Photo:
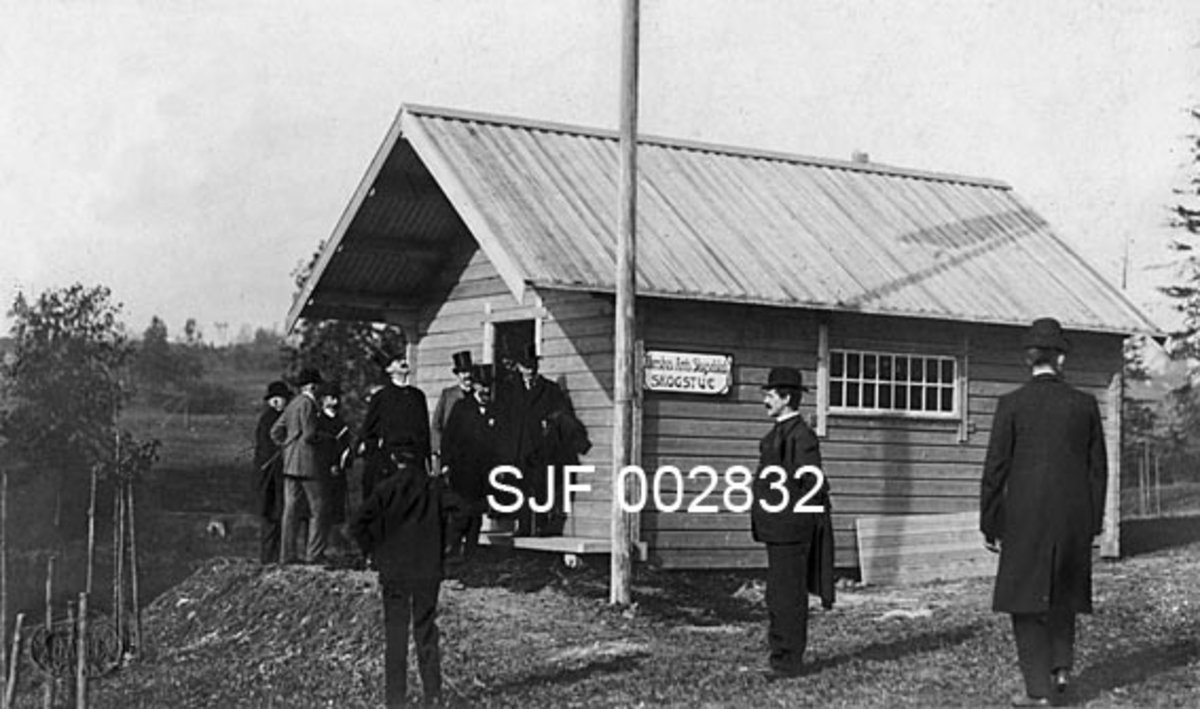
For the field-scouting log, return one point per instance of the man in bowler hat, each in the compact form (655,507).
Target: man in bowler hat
(469,458)
(268,462)
(297,433)
(799,544)
(1041,503)
(463,371)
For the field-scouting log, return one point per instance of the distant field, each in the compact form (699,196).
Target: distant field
(1174,500)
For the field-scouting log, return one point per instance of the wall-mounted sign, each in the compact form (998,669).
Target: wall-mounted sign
(687,372)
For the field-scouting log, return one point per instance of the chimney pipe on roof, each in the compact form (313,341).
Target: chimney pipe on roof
(860,156)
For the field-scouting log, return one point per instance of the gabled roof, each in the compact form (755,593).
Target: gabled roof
(714,224)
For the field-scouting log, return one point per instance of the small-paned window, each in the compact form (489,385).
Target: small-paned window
(883,383)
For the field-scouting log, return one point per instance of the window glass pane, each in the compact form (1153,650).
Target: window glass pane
(885,368)
(852,365)
(835,393)
(868,399)
(837,364)
(947,371)
(915,397)
(947,399)
(901,397)
(932,401)
(931,370)
(885,396)
(852,394)
(869,367)
(917,370)
(902,369)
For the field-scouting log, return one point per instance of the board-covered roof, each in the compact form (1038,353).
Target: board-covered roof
(715,223)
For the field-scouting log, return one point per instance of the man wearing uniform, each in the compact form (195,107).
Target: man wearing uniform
(1041,503)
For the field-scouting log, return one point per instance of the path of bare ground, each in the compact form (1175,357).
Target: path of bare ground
(524,631)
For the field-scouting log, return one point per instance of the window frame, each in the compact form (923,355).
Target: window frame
(953,384)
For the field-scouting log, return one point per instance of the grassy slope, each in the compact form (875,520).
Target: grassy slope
(522,631)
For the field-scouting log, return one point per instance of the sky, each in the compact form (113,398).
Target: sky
(189,155)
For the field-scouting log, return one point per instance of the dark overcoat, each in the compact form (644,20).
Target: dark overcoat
(268,464)
(400,527)
(397,421)
(470,451)
(791,445)
(524,420)
(1042,495)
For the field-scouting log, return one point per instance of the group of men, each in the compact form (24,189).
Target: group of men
(425,480)
(514,417)
(1042,501)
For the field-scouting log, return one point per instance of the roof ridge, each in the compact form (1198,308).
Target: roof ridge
(702,146)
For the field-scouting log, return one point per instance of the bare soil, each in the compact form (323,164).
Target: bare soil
(523,630)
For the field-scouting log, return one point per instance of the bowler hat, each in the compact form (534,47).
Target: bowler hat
(528,355)
(329,389)
(785,378)
(1046,333)
(462,361)
(308,375)
(277,388)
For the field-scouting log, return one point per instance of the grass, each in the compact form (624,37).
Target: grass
(521,630)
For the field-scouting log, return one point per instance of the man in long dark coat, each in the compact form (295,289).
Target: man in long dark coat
(527,405)
(268,463)
(399,527)
(470,446)
(799,543)
(1041,503)
(395,429)
(464,371)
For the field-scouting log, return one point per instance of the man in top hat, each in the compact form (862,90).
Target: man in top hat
(395,429)
(470,454)
(268,463)
(799,543)
(526,407)
(1041,503)
(296,431)
(451,395)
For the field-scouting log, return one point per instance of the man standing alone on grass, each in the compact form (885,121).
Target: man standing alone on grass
(1041,503)
(399,527)
(268,462)
(297,433)
(799,543)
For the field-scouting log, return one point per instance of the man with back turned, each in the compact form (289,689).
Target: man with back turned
(1041,503)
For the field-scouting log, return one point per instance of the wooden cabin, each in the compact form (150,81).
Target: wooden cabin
(900,294)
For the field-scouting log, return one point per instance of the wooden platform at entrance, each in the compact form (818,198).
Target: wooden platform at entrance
(918,548)
(557,545)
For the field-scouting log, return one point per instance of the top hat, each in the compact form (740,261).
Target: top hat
(481,374)
(527,356)
(308,375)
(1046,333)
(277,388)
(785,378)
(462,361)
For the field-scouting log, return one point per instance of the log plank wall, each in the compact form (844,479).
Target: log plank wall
(876,465)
